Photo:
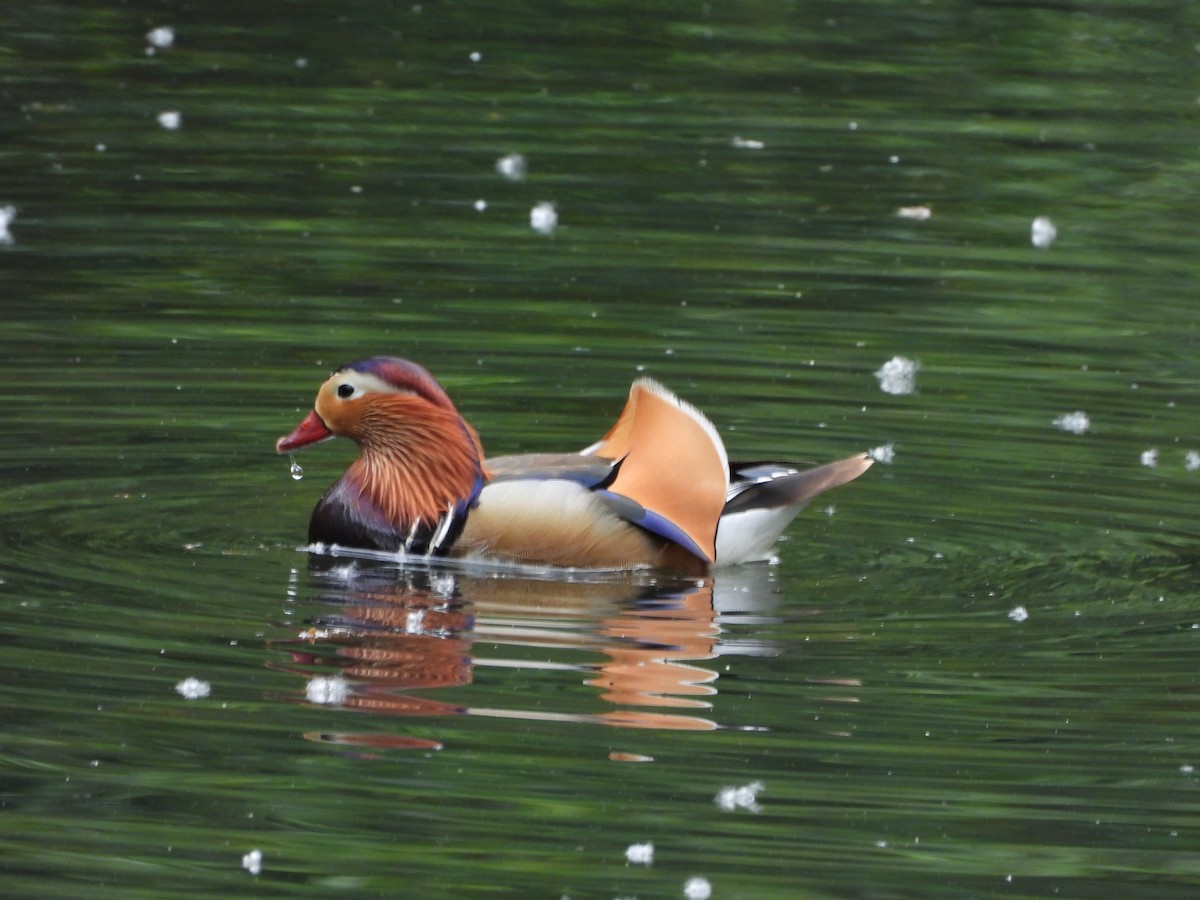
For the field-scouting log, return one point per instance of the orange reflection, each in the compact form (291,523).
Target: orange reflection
(380,632)
(650,651)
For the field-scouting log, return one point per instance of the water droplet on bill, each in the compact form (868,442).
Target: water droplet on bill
(297,472)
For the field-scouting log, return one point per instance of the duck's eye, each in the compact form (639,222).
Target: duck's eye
(345,391)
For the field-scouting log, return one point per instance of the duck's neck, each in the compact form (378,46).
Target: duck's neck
(415,474)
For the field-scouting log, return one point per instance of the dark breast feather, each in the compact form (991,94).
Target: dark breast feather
(335,521)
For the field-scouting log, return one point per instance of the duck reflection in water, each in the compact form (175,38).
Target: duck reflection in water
(389,631)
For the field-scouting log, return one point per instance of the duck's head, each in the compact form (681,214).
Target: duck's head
(418,460)
(369,402)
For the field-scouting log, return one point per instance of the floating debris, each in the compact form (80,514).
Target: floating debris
(1018,614)
(480,205)
(414,621)
(1149,457)
(543,218)
(327,690)
(697,888)
(1074,422)
(1042,233)
(884,453)
(7,214)
(747,143)
(252,862)
(475,56)
(745,797)
(170,120)
(513,166)
(640,854)
(916,213)
(193,689)
(1191,461)
(624,756)
(161,38)
(898,375)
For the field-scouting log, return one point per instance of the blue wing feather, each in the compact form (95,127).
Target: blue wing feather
(636,514)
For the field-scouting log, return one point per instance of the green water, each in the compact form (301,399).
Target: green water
(726,179)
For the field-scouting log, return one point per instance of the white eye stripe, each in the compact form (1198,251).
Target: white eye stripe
(350,385)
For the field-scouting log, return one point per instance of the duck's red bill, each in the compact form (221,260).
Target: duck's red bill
(308,432)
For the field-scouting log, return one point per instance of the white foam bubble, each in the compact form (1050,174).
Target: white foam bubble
(170,119)
(1074,422)
(7,214)
(747,143)
(162,37)
(884,453)
(744,797)
(252,862)
(513,166)
(414,622)
(1042,232)
(543,218)
(640,854)
(898,375)
(193,689)
(331,690)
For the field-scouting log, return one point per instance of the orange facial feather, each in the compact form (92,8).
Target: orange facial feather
(417,459)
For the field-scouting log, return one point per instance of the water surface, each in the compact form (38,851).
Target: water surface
(726,180)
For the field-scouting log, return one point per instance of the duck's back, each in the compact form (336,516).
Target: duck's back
(650,493)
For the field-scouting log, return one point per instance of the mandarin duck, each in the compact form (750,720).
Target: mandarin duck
(656,491)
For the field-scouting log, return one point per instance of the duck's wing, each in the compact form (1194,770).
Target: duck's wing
(671,463)
(570,498)
(764,498)
(589,471)
(661,467)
